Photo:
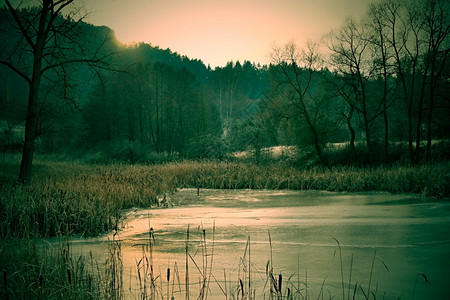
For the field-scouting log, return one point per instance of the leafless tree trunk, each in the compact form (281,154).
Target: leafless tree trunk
(43,42)
(437,28)
(349,47)
(345,90)
(296,72)
(382,50)
(399,31)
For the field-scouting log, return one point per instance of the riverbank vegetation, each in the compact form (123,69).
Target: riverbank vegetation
(53,271)
(84,199)
(88,199)
(33,270)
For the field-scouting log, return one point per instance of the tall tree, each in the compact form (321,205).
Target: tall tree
(381,49)
(47,43)
(418,34)
(295,74)
(350,55)
(436,16)
(341,88)
(402,35)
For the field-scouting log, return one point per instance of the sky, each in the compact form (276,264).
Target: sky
(218,31)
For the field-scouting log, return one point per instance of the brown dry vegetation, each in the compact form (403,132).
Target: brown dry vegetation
(74,198)
(68,198)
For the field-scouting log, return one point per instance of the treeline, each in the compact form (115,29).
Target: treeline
(381,91)
(176,107)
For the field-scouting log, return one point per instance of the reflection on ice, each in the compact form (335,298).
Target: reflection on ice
(409,235)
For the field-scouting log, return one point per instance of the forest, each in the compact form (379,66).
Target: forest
(379,93)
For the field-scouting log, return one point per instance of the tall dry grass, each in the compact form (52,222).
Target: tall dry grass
(70,198)
(432,180)
(39,271)
(73,198)
(49,272)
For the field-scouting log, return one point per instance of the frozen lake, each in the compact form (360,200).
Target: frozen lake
(387,241)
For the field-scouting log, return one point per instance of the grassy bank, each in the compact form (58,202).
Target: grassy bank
(46,272)
(431,180)
(70,198)
(73,198)
(67,198)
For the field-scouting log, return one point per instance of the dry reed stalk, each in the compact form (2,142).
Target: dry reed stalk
(187,264)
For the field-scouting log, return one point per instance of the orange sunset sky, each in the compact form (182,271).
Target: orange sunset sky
(218,31)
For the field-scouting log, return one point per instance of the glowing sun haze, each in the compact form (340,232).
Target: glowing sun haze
(217,31)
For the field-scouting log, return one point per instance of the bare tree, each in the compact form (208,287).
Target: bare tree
(435,14)
(341,87)
(382,56)
(419,38)
(402,37)
(295,74)
(45,46)
(351,57)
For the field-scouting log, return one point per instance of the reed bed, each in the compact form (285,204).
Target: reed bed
(71,198)
(67,198)
(432,180)
(54,272)
(39,271)
(249,281)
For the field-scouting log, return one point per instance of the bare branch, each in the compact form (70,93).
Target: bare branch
(19,23)
(17,71)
